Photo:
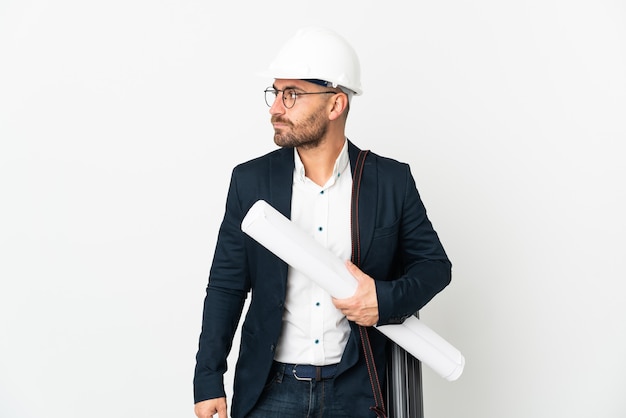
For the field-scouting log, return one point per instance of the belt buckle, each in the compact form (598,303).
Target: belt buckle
(295,374)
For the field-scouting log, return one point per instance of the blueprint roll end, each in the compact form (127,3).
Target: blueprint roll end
(457,371)
(257,210)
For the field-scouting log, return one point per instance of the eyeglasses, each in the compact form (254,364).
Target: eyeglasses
(289,96)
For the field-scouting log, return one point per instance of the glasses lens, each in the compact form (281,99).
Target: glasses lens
(289,98)
(270,96)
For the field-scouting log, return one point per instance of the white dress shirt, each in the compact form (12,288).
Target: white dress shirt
(314,331)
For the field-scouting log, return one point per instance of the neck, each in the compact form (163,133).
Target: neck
(319,162)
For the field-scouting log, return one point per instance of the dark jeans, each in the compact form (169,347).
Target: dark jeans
(284,396)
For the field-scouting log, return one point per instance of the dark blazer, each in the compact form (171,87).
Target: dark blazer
(399,249)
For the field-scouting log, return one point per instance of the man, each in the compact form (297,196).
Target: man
(300,352)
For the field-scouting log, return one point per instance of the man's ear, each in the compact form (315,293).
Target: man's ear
(340,106)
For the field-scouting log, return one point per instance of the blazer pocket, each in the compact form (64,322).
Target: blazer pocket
(387,231)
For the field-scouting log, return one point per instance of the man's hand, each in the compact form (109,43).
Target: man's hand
(362,307)
(210,407)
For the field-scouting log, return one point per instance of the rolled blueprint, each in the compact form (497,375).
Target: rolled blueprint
(283,238)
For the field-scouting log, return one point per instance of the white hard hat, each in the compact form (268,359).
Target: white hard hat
(316,53)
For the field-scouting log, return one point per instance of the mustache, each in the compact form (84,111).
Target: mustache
(278,119)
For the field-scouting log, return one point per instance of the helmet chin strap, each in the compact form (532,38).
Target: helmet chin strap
(322,83)
(325,83)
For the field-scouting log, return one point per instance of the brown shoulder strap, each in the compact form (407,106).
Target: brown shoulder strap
(379,404)
(354,207)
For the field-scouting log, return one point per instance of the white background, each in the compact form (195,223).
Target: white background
(121,120)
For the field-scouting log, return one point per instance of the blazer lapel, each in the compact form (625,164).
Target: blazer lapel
(281,180)
(280,192)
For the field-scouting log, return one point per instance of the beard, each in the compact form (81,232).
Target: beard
(307,134)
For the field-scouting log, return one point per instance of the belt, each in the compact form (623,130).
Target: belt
(308,372)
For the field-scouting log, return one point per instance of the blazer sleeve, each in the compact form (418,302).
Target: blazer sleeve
(223,304)
(421,267)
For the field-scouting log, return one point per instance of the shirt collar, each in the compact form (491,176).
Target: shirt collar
(341,164)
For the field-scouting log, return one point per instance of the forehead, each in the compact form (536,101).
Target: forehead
(284,83)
